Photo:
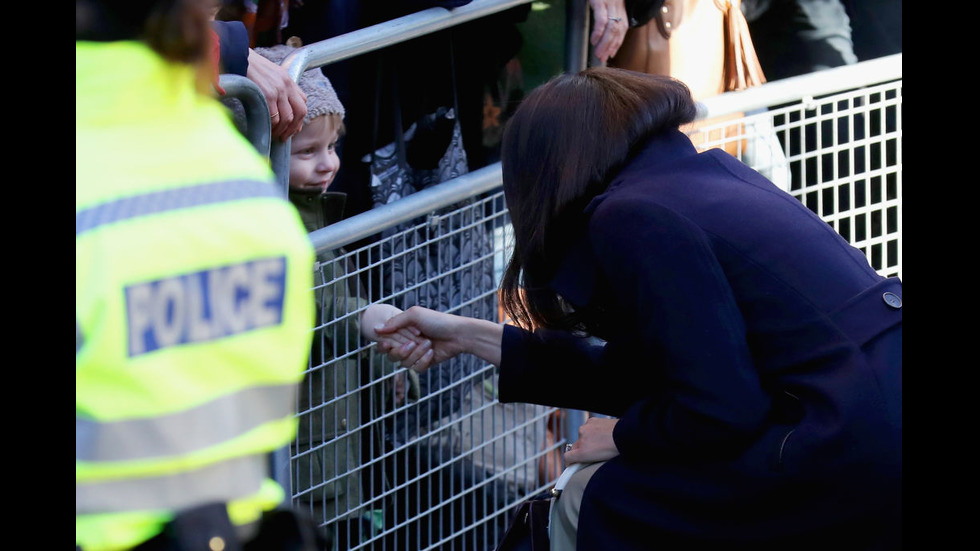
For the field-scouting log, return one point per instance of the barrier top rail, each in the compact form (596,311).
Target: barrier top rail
(420,203)
(391,32)
(489,178)
(787,90)
(369,39)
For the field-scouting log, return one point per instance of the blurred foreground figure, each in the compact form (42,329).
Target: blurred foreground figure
(193,297)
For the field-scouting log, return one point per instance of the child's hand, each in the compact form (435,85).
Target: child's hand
(287,101)
(375,316)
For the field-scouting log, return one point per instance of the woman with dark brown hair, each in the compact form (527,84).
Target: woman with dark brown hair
(748,358)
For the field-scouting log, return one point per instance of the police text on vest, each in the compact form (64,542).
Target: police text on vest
(205,305)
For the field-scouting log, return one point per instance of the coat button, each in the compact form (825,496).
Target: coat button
(893,300)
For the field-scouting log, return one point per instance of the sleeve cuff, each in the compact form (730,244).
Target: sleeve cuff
(233,39)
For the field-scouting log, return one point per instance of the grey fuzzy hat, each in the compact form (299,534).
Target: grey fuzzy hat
(320,96)
(321,99)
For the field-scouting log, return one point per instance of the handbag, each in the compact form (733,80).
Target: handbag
(529,526)
(428,152)
(705,44)
(528,530)
(452,242)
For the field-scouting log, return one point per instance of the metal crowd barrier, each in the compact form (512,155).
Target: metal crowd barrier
(258,125)
(833,139)
(443,470)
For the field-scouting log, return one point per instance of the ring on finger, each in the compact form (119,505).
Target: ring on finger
(616,19)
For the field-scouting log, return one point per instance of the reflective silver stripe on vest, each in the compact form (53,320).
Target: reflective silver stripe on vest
(217,421)
(79,337)
(225,481)
(171,199)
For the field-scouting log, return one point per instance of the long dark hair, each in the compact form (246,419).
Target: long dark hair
(178,30)
(561,148)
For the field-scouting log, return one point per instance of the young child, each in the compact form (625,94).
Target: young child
(340,392)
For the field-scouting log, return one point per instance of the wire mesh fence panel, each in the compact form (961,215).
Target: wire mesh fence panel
(390,459)
(841,155)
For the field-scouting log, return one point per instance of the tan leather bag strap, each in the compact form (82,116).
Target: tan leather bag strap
(742,68)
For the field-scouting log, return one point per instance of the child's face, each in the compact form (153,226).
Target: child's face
(313,160)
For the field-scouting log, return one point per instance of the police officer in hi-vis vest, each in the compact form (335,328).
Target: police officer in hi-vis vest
(193,297)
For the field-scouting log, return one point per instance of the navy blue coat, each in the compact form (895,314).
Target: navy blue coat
(753,357)
(233,46)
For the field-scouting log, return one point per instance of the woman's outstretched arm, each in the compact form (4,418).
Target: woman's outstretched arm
(445,336)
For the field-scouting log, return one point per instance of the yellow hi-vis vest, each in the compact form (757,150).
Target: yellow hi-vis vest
(193,303)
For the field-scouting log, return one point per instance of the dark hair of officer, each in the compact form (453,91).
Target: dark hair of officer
(178,30)
(554,164)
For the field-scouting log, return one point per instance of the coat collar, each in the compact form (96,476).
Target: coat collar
(659,151)
(318,209)
(576,277)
